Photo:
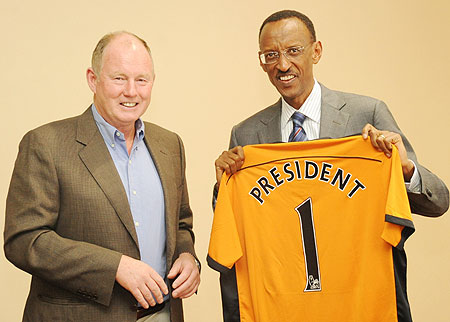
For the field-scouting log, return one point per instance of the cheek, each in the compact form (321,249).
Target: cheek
(305,65)
(271,72)
(145,92)
(112,90)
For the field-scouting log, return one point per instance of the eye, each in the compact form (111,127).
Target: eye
(294,50)
(119,78)
(271,55)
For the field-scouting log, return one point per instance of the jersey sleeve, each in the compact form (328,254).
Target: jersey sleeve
(398,224)
(224,244)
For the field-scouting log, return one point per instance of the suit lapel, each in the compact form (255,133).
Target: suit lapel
(164,166)
(98,161)
(333,121)
(270,131)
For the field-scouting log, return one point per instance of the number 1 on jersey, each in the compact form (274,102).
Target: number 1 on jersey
(313,282)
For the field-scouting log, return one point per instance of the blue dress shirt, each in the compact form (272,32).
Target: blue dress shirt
(143,188)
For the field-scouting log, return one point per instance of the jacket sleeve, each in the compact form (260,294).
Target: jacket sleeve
(185,234)
(30,239)
(433,200)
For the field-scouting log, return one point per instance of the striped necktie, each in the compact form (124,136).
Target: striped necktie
(298,132)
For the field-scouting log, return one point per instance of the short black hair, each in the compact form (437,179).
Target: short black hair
(285,14)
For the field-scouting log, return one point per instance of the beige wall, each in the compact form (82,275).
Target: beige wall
(208,79)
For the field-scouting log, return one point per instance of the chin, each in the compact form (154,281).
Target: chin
(288,95)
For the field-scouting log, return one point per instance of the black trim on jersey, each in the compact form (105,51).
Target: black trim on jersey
(303,157)
(214,197)
(215,265)
(228,290)
(230,297)
(403,309)
(406,232)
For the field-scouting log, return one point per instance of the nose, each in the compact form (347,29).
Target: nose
(130,89)
(283,63)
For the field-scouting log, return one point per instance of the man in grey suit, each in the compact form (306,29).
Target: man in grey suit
(98,210)
(288,51)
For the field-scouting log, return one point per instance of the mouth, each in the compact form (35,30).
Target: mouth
(129,104)
(286,78)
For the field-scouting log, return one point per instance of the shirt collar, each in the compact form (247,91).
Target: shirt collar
(110,133)
(310,108)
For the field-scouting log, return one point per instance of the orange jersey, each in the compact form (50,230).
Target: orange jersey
(315,230)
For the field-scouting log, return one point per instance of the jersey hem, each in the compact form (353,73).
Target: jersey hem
(215,265)
(407,231)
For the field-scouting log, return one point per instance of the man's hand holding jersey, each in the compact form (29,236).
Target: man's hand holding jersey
(384,141)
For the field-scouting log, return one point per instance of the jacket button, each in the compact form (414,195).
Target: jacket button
(428,192)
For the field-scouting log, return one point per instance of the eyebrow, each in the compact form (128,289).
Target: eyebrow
(291,46)
(149,76)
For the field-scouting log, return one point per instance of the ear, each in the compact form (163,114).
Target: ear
(317,52)
(91,79)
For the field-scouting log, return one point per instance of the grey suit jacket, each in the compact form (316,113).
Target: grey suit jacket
(68,220)
(345,114)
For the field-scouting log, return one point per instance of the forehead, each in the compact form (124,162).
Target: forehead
(284,33)
(127,53)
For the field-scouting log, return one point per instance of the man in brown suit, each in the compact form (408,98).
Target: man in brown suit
(79,204)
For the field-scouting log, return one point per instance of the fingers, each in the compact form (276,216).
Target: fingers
(383,144)
(229,161)
(386,140)
(140,298)
(382,140)
(147,294)
(184,275)
(156,285)
(188,279)
(186,284)
(389,139)
(369,131)
(239,151)
(175,270)
(219,173)
(142,281)
(188,288)
(366,129)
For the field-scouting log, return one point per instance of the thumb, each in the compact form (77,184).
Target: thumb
(219,173)
(175,270)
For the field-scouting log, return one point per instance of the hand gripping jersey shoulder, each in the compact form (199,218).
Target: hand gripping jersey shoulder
(316,232)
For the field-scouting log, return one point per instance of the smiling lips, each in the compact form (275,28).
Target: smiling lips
(129,104)
(286,78)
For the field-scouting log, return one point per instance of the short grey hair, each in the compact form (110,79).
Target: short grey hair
(97,54)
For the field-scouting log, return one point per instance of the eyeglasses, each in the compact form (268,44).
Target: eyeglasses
(291,53)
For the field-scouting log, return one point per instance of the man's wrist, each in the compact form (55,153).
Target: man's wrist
(408,170)
(197,263)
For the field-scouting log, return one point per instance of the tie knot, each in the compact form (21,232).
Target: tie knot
(298,118)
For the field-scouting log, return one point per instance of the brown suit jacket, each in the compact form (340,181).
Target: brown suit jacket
(68,220)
